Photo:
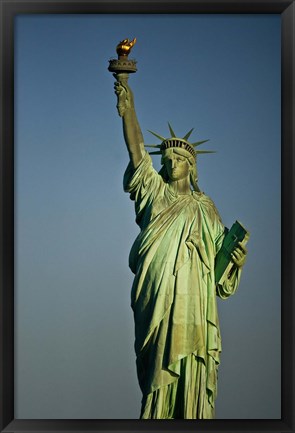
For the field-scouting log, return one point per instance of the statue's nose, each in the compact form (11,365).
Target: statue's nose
(172,163)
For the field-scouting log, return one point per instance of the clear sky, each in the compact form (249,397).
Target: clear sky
(74,224)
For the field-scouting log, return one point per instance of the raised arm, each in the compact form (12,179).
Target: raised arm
(131,129)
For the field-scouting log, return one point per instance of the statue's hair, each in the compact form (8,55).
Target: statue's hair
(194,178)
(193,172)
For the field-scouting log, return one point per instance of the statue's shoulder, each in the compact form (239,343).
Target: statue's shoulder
(203,198)
(207,203)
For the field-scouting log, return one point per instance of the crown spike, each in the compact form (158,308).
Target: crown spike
(188,134)
(156,153)
(158,146)
(171,131)
(197,143)
(157,135)
(205,151)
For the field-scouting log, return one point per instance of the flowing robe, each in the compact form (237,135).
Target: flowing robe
(173,297)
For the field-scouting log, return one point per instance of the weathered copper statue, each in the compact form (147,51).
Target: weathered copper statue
(177,336)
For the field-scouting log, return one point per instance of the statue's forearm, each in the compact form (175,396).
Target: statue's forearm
(133,136)
(131,129)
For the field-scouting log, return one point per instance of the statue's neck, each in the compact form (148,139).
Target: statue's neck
(181,186)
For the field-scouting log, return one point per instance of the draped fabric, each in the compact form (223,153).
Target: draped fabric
(173,297)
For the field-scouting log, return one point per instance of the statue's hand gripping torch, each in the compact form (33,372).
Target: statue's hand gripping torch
(121,68)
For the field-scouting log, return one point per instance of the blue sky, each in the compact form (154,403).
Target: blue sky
(74,224)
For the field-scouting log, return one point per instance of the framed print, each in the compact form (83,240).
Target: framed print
(224,69)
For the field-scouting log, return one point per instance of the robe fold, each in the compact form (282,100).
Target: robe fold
(173,297)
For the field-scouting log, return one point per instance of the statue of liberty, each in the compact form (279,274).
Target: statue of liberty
(173,297)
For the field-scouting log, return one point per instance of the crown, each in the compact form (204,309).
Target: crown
(175,142)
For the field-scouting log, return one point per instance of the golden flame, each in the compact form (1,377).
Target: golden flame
(124,47)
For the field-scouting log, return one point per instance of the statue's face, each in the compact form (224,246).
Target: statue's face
(177,164)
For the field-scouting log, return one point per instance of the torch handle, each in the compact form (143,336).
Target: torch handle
(121,77)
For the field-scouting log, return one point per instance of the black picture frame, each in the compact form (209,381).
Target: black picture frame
(9,9)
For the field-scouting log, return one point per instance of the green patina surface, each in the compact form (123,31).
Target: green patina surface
(173,297)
